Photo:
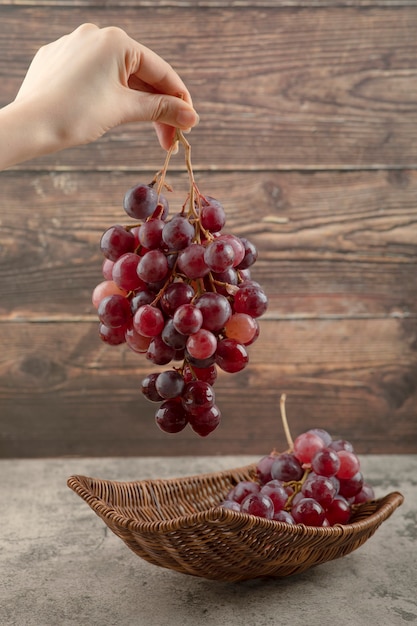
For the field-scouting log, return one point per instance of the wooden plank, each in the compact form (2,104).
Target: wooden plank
(275,87)
(330,243)
(309,4)
(77,396)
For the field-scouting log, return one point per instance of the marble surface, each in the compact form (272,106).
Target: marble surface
(60,565)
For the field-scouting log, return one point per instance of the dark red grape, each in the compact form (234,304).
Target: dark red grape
(250,299)
(150,233)
(191,261)
(258,504)
(212,215)
(250,256)
(169,384)
(175,295)
(202,344)
(309,512)
(159,353)
(149,388)
(178,233)
(286,468)
(231,356)
(242,490)
(216,310)
(171,417)
(112,336)
(153,266)
(219,255)
(114,311)
(142,200)
(204,422)
(197,396)
(116,241)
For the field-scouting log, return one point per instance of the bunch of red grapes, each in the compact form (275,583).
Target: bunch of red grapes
(179,289)
(317,483)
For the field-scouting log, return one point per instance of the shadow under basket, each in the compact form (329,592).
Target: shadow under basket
(177,524)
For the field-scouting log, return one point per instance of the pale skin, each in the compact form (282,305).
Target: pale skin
(86,83)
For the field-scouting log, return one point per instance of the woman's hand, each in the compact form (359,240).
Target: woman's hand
(85,83)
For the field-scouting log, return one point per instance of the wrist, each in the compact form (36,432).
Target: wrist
(24,133)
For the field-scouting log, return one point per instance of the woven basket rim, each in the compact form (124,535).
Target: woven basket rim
(217,515)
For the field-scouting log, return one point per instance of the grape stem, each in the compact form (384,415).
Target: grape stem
(160,176)
(285,422)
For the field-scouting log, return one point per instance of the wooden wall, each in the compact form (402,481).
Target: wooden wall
(308,136)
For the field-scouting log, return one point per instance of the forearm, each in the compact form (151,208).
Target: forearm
(24,133)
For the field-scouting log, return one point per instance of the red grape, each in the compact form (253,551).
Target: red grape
(112,336)
(216,310)
(231,356)
(325,462)
(159,353)
(150,233)
(153,266)
(175,295)
(149,388)
(258,504)
(178,233)
(106,288)
(242,490)
(202,344)
(212,215)
(250,256)
(263,468)
(169,384)
(204,422)
(171,417)
(306,445)
(286,467)
(338,511)
(198,396)
(251,299)
(125,272)
(219,255)
(116,241)
(191,261)
(319,488)
(136,342)
(114,311)
(142,200)
(148,321)
(309,512)
(187,319)
(241,327)
(349,464)
(276,492)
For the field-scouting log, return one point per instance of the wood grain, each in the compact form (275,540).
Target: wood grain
(332,87)
(77,396)
(331,243)
(308,135)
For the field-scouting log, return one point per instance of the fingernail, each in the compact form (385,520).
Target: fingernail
(187,119)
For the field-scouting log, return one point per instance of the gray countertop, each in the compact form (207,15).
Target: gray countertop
(60,565)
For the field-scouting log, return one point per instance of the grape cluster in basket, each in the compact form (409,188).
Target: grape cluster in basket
(317,483)
(178,289)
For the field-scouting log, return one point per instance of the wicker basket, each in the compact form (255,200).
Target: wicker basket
(177,524)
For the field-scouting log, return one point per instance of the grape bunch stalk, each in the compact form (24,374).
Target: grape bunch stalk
(178,289)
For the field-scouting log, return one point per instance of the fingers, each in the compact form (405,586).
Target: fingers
(157,73)
(159,94)
(167,113)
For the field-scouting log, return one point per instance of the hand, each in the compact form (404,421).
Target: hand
(94,79)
